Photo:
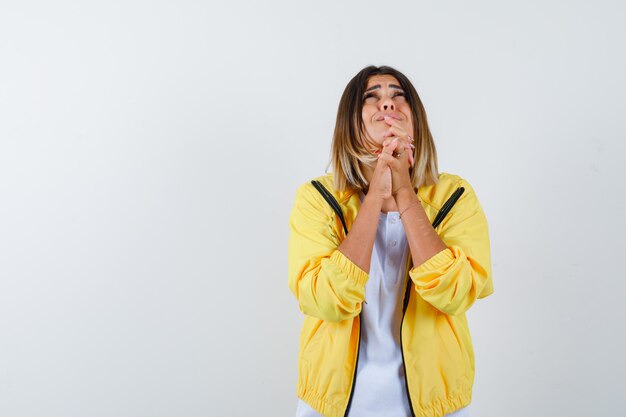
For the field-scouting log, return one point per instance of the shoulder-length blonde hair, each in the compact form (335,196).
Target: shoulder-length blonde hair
(349,153)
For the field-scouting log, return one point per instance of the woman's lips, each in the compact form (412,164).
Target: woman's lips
(392,115)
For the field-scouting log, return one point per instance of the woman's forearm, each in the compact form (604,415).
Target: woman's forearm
(424,242)
(359,242)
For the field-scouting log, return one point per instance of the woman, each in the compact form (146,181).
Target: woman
(385,332)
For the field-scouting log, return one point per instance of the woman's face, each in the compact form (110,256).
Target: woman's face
(384,97)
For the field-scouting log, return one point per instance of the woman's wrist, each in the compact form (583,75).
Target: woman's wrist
(415,204)
(373,200)
(406,197)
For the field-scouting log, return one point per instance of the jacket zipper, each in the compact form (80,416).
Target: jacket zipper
(405,304)
(356,367)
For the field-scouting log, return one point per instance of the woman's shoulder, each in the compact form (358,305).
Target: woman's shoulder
(437,194)
(326,180)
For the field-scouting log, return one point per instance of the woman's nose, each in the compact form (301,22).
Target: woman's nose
(387,104)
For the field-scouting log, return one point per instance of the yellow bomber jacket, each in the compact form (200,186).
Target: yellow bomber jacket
(435,339)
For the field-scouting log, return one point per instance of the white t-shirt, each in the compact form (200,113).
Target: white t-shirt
(380,389)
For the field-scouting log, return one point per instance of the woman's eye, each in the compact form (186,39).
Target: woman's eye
(372,97)
(368,96)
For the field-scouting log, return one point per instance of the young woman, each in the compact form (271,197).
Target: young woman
(385,332)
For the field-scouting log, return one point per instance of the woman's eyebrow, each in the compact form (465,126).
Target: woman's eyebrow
(374,87)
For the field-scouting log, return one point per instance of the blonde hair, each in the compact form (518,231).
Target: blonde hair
(348,151)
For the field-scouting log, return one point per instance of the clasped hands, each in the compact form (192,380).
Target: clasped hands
(400,142)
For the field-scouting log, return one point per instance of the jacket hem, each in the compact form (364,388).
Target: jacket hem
(438,407)
(442,406)
(320,405)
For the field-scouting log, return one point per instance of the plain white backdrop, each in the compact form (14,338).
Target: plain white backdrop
(149,156)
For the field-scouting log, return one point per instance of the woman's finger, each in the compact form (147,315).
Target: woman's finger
(395,145)
(400,144)
(387,159)
(395,129)
(390,145)
(409,148)
(400,139)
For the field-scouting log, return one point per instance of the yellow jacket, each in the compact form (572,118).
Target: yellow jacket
(435,338)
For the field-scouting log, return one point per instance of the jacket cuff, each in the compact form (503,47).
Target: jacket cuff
(435,262)
(348,267)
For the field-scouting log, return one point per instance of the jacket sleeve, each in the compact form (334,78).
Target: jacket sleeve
(452,279)
(326,283)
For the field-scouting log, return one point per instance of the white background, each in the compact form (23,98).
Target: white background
(149,156)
